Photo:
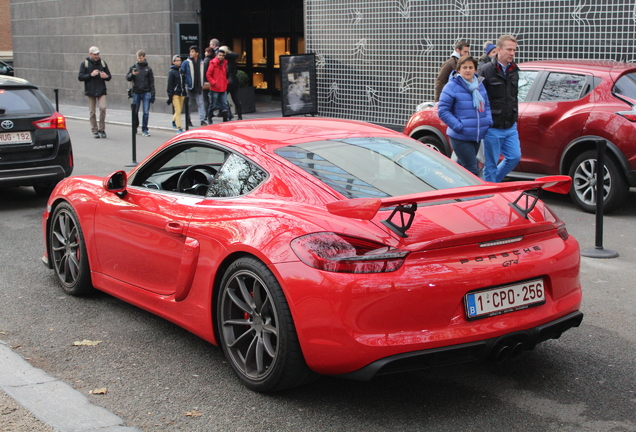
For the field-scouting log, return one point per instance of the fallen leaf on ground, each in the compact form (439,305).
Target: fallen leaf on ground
(193,414)
(86,342)
(99,391)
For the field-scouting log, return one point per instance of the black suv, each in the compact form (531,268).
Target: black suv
(35,147)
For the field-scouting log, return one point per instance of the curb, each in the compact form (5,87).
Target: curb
(52,401)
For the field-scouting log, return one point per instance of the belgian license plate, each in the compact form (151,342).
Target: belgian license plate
(510,298)
(15,138)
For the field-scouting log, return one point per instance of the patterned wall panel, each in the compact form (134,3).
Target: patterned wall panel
(377,60)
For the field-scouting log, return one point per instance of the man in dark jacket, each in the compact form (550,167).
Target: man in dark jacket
(176,91)
(501,79)
(94,72)
(462,48)
(143,90)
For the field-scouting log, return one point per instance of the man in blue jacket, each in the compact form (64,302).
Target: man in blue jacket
(194,76)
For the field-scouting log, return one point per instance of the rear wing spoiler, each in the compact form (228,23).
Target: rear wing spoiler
(406,205)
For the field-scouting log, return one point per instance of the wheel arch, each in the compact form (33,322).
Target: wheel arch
(585,143)
(426,130)
(47,227)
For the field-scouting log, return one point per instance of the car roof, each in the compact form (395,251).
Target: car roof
(581,65)
(9,81)
(285,131)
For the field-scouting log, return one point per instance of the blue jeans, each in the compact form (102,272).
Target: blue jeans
(218,100)
(466,152)
(139,98)
(198,97)
(503,142)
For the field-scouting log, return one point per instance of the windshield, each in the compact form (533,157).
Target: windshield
(377,167)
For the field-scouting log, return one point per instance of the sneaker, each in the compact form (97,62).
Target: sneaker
(96,135)
(145,133)
(174,125)
(179,131)
(204,123)
(102,133)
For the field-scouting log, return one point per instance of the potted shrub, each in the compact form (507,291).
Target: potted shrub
(246,93)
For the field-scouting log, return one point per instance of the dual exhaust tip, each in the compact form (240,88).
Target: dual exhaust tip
(507,350)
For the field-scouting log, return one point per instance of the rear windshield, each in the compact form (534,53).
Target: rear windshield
(626,86)
(16,101)
(377,167)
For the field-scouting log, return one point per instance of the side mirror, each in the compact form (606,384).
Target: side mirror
(116,182)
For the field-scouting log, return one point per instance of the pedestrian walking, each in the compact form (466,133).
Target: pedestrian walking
(464,107)
(490,50)
(233,82)
(194,76)
(501,79)
(143,90)
(94,72)
(462,48)
(176,91)
(217,77)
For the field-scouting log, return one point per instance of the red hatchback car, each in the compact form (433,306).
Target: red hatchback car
(565,106)
(305,246)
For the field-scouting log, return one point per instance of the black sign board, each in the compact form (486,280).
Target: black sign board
(299,88)
(187,35)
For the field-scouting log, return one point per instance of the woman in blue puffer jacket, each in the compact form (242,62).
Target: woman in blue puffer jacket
(464,107)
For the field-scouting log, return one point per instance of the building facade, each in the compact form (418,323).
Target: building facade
(376,60)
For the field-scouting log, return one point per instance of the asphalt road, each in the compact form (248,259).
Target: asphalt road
(161,378)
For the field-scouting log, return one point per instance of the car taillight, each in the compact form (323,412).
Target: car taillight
(629,115)
(343,254)
(55,121)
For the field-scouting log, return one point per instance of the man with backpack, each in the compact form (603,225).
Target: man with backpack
(94,72)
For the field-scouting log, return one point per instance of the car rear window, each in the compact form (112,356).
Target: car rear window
(626,86)
(16,101)
(377,167)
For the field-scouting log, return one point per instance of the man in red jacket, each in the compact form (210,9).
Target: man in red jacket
(217,77)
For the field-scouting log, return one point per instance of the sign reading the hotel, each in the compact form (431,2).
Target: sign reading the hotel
(187,35)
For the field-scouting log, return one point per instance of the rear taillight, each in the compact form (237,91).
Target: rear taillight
(562,231)
(55,121)
(343,254)
(629,115)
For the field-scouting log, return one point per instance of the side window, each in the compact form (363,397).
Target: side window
(236,177)
(165,170)
(526,78)
(562,87)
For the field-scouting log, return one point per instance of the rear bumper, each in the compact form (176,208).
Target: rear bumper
(32,176)
(497,349)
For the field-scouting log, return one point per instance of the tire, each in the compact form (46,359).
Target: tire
(583,191)
(256,330)
(43,190)
(434,143)
(68,252)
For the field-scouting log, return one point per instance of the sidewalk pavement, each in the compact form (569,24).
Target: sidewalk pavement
(39,402)
(157,120)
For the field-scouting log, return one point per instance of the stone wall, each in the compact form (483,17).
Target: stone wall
(51,40)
